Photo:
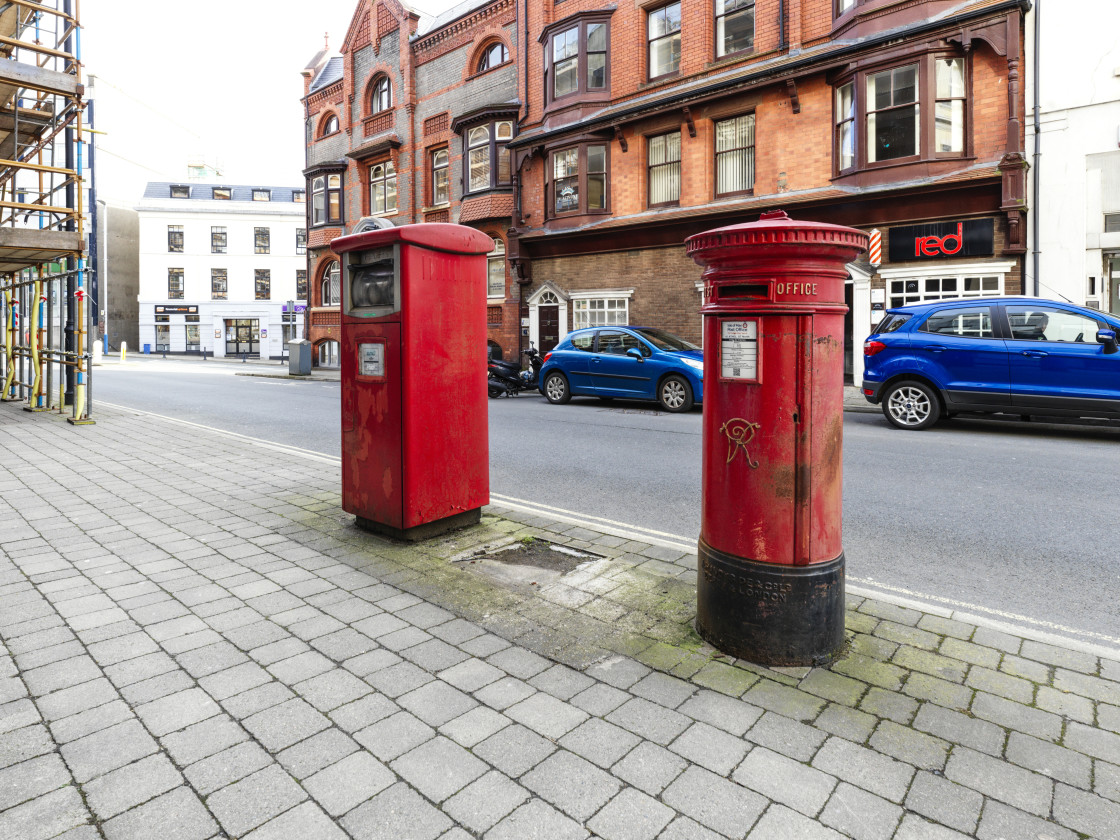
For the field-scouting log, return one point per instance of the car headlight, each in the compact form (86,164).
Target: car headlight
(694,364)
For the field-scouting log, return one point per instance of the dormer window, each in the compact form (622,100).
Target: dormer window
(222,194)
(262,195)
(180,191)
(577,58)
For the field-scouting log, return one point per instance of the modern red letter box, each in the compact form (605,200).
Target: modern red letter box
(770,586)
(415,449)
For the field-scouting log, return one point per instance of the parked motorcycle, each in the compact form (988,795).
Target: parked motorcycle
(505,379)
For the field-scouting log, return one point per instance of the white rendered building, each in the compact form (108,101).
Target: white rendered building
(1073,77)
(222,269)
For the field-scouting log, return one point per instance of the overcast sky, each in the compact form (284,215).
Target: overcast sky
(216,78)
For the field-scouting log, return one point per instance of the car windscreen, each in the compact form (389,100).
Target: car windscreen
(891,322)
(665,340)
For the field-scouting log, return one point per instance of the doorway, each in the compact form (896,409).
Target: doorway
(243,336)
(1114,283)
(549,327)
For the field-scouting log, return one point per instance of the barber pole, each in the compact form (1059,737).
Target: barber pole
(876,247)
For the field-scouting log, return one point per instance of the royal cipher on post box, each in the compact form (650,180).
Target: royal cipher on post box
(414,415)
(770,584)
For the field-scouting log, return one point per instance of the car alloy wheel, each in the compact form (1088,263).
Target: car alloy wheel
(911,405)
(556,389)
(675,395)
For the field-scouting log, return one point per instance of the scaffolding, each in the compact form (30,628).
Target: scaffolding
(46,308)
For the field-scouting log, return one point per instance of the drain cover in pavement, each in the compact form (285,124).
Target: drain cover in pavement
(528,563)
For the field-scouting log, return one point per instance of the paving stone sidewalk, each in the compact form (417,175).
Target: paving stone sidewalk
(195,642)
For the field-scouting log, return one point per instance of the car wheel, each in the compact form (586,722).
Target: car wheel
(556,389)
(911,405)
(675,394)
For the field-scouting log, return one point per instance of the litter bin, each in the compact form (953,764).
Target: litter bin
(299,357)
(148,349)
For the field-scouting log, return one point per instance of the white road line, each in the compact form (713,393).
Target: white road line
(1014,623)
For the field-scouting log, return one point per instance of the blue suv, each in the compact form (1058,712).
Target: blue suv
(1003,354)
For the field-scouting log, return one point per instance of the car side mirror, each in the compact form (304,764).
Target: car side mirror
(635,353)
(1108,339)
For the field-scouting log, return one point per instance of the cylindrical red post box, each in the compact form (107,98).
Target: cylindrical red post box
(770,585)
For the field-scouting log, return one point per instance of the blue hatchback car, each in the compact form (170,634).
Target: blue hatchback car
(1004,354)
(640,363)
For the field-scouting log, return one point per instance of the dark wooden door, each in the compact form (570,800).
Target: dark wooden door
(549,332)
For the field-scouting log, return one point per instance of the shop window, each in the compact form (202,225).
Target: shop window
(217,240)
(326,199)
(261,239)
(579,180)
(665,168)
(328,354)
(664,32)
(174,284)
(382,188)
(487,155)
(577,59)
(906,290)
(492,56)
(329,288)
(734,26)
(496,270)
(175,239)
(218,284)
(599,311)
(192,330)
(262,284)
(735,155)
(900,114)
(441,190)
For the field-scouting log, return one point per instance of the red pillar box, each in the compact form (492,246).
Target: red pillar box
(770,583)
(415,451)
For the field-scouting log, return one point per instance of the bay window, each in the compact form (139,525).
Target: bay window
(577,58)
(326,199)
(488,160)
(382,188)
(579,180)
(915,111)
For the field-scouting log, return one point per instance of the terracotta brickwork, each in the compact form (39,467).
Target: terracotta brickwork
(433,80)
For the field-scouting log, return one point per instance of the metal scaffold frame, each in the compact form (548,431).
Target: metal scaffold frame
(46,313)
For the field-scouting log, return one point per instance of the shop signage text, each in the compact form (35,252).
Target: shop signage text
(176,310)
(973,238)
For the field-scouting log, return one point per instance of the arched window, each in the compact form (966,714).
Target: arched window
(328,354)
(330,125)
(381,95)
(547,299)
(329,289)
(494,55)
(496,270)
(440,192)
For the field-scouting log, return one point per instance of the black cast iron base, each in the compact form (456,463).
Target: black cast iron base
(424,531)
(769,614)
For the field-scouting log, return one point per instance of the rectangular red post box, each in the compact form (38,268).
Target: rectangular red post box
(415,453)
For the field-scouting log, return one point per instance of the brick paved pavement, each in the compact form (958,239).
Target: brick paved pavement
(195,642)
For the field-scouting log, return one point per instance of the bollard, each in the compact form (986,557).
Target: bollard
(124,350)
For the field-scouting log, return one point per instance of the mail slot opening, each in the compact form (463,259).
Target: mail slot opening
(745,290)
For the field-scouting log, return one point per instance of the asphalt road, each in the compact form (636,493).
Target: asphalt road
(1017,520)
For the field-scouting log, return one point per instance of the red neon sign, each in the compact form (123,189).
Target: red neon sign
(931,246)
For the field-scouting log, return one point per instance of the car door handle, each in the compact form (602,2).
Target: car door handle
(1034,354)
(933,348)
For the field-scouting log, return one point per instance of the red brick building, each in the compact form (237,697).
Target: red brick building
(410,123)
(647,122)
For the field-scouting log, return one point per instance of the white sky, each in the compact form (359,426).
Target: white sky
(217,78)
